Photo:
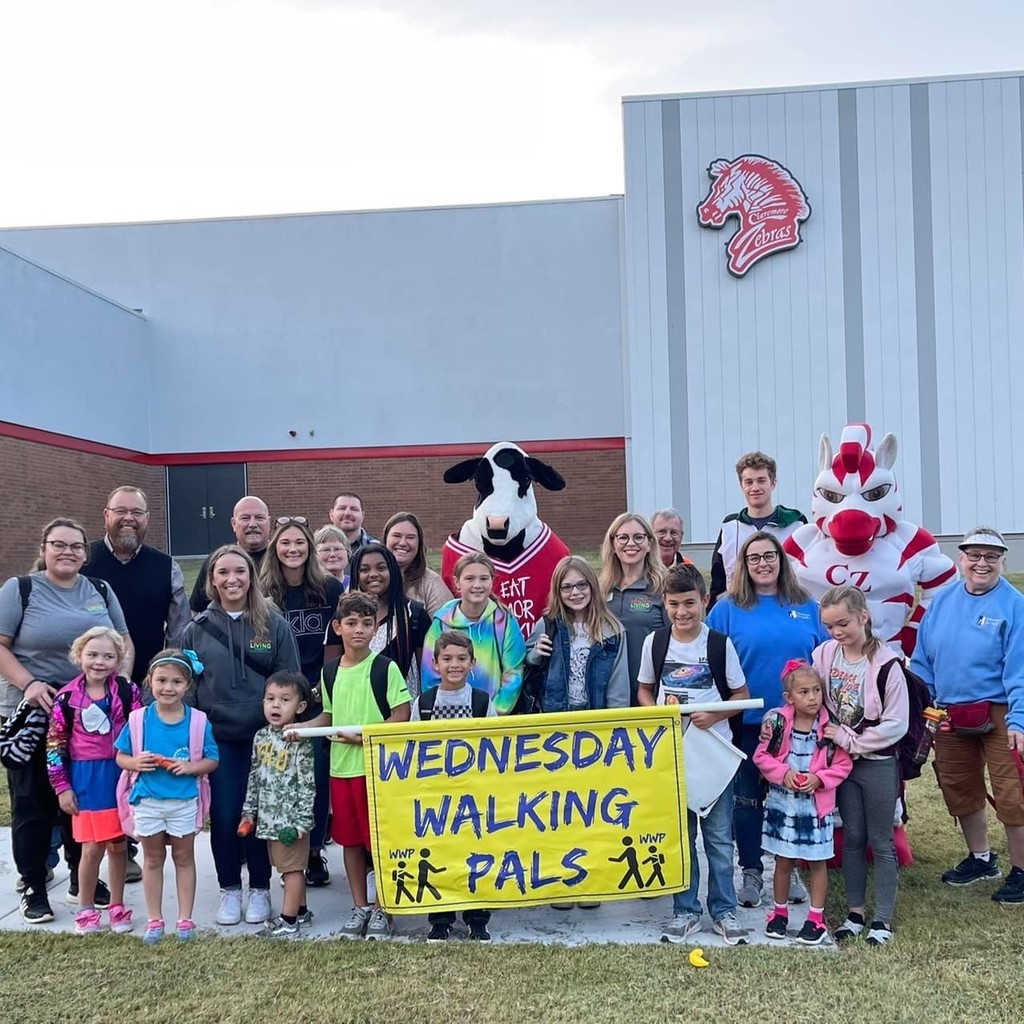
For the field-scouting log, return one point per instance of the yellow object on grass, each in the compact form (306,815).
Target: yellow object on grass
(697,958)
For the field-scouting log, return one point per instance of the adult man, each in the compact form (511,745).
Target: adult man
(970,652)
(347,514)
(667,525)
(756,472)
(251,522)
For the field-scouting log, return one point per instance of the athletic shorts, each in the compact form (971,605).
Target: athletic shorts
(175,817)
(289,857)
(96,826)
(350,812)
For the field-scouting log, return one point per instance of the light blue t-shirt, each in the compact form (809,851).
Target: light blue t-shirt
(168,741)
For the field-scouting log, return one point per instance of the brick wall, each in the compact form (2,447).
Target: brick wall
(39,482)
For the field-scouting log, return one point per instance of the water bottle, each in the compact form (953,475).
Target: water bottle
(933,719)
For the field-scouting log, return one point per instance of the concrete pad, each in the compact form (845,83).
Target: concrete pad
(634,921)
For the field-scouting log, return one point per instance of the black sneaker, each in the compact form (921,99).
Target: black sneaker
(811,934)
(317,875)
(479,933)
(439,933)
(35,907)
(1011,892)
(100,900)
(973,869)
(776,926)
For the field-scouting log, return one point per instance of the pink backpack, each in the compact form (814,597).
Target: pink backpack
(125,784)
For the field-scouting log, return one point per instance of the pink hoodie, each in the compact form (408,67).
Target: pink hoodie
(774,767)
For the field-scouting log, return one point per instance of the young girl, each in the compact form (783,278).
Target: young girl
(497,639)
(803,772)
(88,713)
(165,798)
(867,727)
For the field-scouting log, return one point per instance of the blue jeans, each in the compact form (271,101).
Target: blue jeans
(322,800)
(716,833)
(227,794)
(748,816)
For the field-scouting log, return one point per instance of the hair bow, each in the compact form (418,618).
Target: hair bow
(792,665)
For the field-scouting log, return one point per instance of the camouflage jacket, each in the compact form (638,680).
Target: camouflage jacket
(281,784)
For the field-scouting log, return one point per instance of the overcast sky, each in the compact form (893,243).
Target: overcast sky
(117,110)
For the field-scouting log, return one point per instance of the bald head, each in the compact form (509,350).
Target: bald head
(251,523)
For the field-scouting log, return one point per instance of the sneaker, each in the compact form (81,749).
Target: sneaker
(439,933)
(973,869)
(1011,892)
(317,874)
(259,909)
(279,929)
(562,906)
(848,930)
(132,870)
(751,892)
(230,909)
(812,934)
(355,924)
(21,885)
(100,898)
(120,919)
(878,934)
(379,926)
(478,932)
(729,928)
(185,930)
(680,928)
(776,926)
(797,892)
(87,922)
(306,918)
(588,904)
(154,931)
(35,907)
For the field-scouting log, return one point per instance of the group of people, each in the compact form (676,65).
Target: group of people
(158,706)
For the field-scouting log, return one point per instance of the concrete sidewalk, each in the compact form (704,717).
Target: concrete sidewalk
(626,921)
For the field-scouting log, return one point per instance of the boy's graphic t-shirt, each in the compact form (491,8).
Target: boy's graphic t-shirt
(350,701)
(686,675)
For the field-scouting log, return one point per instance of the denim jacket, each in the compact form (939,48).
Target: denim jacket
(607,673)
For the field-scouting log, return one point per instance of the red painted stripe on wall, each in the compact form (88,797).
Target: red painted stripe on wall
(464,450)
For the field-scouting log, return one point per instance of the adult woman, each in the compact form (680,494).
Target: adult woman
(631,578)
(240,641)
(40,614)
(770,619)
(334,551)
(292,577)
(401,624)
(403,537)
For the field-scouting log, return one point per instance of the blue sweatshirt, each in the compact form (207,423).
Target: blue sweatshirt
(971,647)
(766,636)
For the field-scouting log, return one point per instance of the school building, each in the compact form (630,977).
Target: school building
(783,262)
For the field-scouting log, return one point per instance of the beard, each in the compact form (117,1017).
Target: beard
(126,542)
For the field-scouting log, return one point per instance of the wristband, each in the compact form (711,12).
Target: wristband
(31,681)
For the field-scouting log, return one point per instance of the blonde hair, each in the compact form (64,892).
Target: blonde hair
(611,568)
(256,611)
(96,633)
(597,620)
(473,558)
(856,602)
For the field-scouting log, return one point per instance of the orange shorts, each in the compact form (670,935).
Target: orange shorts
(97,826)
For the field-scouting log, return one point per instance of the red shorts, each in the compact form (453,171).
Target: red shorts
(350,812)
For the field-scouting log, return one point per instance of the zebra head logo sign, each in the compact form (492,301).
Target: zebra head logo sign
(767,200)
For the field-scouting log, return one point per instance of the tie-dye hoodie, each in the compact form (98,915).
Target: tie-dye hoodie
(498,646)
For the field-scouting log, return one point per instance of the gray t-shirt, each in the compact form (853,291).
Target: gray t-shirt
(55,616)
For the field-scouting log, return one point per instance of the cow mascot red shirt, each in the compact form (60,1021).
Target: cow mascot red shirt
(506,527)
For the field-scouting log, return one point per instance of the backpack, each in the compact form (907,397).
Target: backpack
(127,780)
(21,735)
(378,683)
(124,695)
(25,592)
(261,666)
(531,695)
(716,662)
(478,699)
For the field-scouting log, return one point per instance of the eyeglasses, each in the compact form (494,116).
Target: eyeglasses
(297,520)
(60,546)
(988,557)
(768,557)
(331,549)
(123,513)
(625,538)
(582,586)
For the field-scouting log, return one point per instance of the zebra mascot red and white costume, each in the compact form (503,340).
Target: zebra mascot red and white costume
(858,536)
(506,527)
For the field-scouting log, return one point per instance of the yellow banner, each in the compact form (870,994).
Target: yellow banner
(527,810)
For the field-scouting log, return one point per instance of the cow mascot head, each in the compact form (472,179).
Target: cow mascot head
(506,527)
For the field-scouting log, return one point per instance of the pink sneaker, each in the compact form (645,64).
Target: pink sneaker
(120,919)
(186,930)
(87,922)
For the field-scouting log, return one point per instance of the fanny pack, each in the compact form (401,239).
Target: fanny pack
(971,719)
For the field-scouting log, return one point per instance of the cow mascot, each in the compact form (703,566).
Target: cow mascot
(858,536)
(505,526)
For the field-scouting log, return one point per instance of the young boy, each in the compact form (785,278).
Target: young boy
(453,697)
(756,473)
(697,666)
(279,797)
(364,685)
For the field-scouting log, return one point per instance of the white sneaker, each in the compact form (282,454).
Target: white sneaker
(379,925)
(230,909)
(258,910)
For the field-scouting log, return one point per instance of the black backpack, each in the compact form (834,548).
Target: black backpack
(531,695)
(479,701)
(918,699)
(378,682)
(25,592)
(716,662)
